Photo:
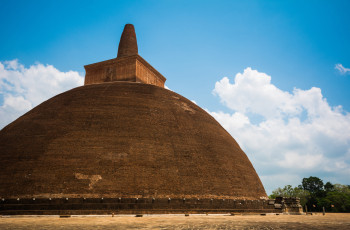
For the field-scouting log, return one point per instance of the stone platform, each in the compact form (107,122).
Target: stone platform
(107,206)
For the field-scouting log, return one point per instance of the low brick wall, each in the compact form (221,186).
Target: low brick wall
(86,206)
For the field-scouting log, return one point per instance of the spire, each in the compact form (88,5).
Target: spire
(128,42)
(128,66)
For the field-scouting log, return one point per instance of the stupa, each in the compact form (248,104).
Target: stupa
(122,143)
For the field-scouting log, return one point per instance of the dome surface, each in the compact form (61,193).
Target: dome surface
(123,139)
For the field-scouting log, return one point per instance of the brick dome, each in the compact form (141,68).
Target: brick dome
(123,139)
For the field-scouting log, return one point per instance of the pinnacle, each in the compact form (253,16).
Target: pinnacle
(128,42)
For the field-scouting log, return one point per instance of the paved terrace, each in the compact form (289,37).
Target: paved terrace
(316,221)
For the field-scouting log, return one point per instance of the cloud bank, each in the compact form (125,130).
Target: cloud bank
(287,136)
(22,88)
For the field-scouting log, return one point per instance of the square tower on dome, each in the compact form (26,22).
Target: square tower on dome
(128,66)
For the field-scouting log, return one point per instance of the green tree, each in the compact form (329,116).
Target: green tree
(302,194)
(342,188)
(336,201)
(328,187)
(289,191)
(315,195)
(283,192)
(312,184)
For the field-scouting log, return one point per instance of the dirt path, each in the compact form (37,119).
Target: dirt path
(329,221)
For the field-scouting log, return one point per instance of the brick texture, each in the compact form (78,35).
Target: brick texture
(123,139)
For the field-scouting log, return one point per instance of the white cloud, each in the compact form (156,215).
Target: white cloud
(252,84)
(299,134)
(295,160)
(342,69)
(22,88)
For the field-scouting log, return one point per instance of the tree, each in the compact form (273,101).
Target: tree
(302,194)
(316,195)
(336,201)
(283,192)
(328,187)
(289,191)
(312,184)
(342,188)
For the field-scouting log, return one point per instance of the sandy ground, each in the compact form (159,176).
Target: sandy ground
(329,221)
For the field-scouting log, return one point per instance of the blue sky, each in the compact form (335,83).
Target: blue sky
(195,44)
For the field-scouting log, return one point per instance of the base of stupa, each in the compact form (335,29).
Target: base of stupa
(108,206)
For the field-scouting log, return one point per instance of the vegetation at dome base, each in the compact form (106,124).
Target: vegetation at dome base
(315,195)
